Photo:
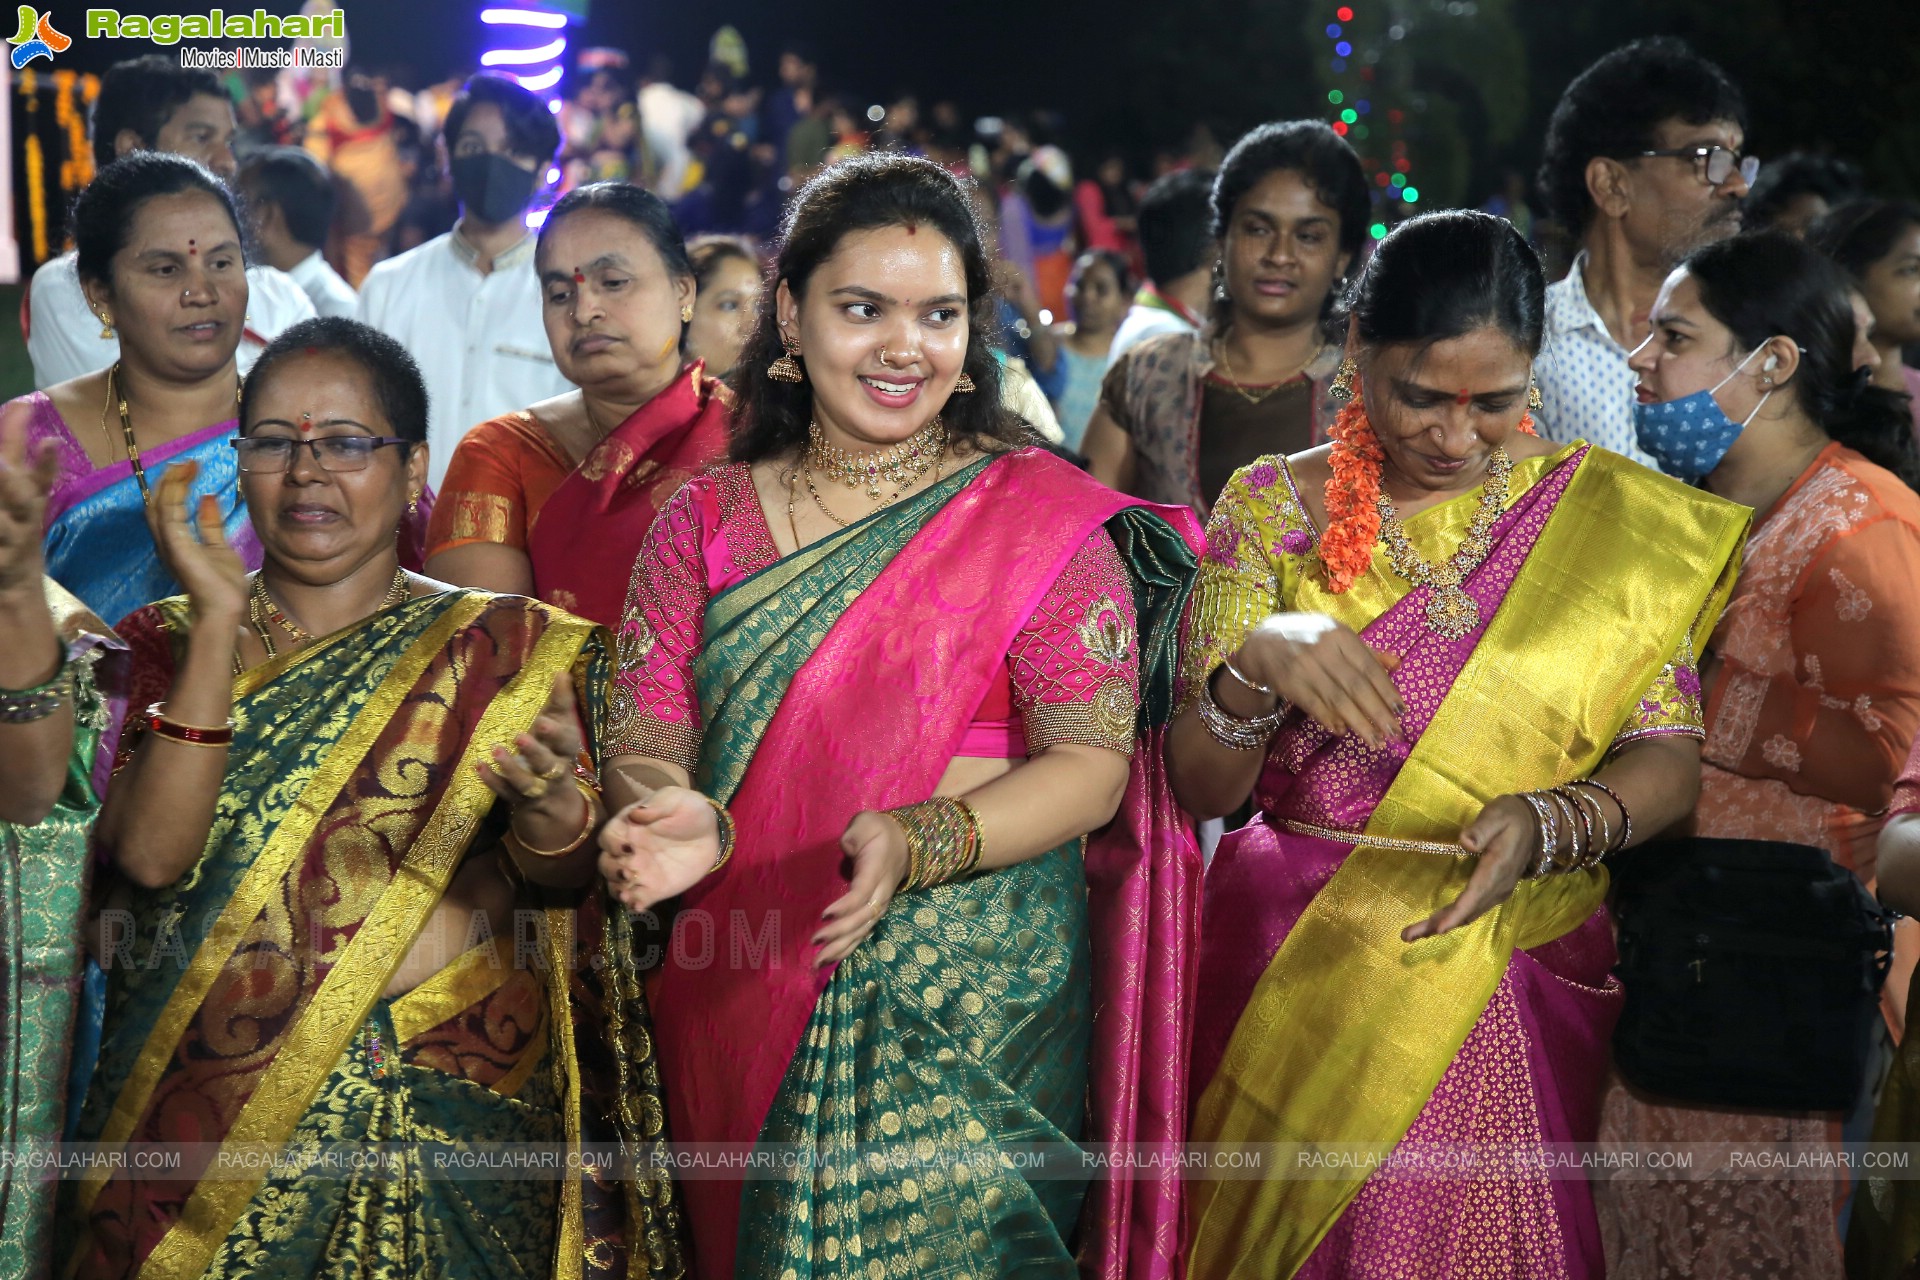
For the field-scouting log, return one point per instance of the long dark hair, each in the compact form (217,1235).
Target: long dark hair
(863,193)
(1766,284)
(1443,275)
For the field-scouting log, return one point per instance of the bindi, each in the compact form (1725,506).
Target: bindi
(913,228)
(1464,397)
(191,246)
(579,276)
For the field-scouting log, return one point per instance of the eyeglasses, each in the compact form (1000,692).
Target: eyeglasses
(1715,164)
(274,454)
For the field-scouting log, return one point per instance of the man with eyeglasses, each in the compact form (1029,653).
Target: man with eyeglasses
(1644,163)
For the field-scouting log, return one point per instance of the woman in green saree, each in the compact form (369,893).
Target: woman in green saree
(353,787)
(886,636)
(51,715)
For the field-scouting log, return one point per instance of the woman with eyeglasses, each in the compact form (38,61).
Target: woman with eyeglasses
(159,255)
(348,789)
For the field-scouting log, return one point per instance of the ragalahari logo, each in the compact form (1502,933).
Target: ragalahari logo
(37,38)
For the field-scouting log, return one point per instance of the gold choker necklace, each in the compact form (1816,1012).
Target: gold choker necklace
(1451,613)
(901,465)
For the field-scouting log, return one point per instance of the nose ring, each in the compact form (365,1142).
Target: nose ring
(883,358)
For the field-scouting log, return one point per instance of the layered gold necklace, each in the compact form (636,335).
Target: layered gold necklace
(901,465)
(1451,613)
(265,614)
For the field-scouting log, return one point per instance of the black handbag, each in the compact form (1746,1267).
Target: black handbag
(1752,972)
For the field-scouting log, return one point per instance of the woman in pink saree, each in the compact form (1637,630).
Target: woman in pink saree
(1448,660)
(880,678)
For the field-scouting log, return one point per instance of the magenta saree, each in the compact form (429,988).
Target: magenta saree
(1315,1024)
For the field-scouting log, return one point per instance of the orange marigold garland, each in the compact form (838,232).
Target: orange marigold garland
(1353,519)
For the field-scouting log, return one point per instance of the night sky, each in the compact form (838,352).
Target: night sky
(1835,75)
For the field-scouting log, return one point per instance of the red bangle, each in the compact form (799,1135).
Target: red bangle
(192,735)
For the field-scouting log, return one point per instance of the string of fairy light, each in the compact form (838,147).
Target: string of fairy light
(1354,118)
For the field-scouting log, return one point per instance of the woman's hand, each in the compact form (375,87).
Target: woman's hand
(26,478)
(530,775)
(877,844)
(1506,835)
(1325,669)
(194,546)
(660,847)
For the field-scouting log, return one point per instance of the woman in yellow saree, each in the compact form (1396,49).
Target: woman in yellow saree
(350,833)
(1443,655)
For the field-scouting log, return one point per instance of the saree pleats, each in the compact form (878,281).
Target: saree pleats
(960,1028)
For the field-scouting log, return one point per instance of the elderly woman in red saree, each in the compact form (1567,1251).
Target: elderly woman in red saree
(348,784)
(880,677)
(1455,666)
(554,500)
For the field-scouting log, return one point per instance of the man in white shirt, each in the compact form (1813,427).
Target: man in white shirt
(1643,161)
(289,200)
(149,104)
(668,117)
(1176,240)
(467,304)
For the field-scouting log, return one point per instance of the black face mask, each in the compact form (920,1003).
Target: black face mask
(491,187)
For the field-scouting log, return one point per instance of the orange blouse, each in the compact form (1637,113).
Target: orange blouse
(502,473)
(1818,696)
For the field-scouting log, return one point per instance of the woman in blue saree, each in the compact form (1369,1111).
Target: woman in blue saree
(160,259)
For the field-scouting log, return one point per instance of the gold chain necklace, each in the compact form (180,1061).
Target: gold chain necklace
(262,611)
(126,427)
(1239,387)
(1451,613)
(900,465)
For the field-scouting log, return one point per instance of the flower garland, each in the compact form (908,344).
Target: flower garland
(1353,519)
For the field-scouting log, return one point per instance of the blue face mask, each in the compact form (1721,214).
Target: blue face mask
(1688,437)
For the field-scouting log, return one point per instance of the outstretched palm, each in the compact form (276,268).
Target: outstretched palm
(659,847)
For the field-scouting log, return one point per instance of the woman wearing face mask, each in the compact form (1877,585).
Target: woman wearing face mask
(1390,648)
(880,678)
(1747,384)
(1181,413)
(159,252)
(554,500)
(467,304)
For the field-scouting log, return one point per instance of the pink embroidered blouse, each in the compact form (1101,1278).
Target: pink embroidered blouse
(1072,673)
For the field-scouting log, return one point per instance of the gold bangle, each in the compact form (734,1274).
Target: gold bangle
(728,834)
(588,793)
(944,841)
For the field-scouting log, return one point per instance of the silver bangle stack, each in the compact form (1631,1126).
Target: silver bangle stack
(1229,730)
(1589,836)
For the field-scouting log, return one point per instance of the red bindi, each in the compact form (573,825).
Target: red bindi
(913,228)
(578,278)
(1464,396)
(190,248)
